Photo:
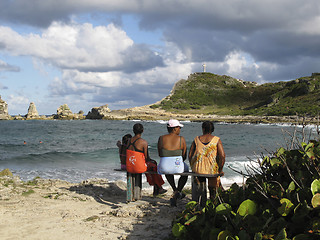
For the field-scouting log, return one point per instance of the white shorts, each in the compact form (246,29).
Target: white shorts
(171,165)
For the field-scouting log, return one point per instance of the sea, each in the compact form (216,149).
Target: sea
(84,149)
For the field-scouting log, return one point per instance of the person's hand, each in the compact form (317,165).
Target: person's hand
(119,144)
(153,161)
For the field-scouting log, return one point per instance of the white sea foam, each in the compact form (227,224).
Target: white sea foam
(162,121)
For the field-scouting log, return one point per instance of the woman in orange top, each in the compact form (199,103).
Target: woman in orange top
(207,156)
(138,160)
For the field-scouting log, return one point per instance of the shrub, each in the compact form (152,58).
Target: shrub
(281,200)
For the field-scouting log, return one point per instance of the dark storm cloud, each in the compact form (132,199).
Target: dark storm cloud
(204,30)
(281,47)
(140,57)
(203,45)
(34,12)
(301,67)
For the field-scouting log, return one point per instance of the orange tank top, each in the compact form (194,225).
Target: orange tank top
(204,158)
(135,160)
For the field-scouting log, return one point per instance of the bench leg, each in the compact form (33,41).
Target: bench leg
(199,191)
(129,187)
(134,186)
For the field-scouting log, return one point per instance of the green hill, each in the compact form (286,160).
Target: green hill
(223,95)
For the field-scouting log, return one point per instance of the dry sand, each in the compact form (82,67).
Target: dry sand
(94,209)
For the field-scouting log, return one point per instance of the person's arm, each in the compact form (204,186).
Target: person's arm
(119,145)
(145,150)
(191,151)
(221,156)
(184,148)
(159,145)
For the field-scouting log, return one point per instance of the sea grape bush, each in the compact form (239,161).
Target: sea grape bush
(279,201)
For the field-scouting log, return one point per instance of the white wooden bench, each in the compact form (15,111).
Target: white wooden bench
(199,189)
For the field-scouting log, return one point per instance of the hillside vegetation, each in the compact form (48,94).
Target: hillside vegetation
(223,95)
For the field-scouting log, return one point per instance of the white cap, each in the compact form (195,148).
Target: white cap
(174,123)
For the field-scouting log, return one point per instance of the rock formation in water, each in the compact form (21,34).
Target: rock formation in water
(99,112)
(4,115)
(79,115)
(64,113)
(32,112)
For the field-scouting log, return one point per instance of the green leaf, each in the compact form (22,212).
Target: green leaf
(286,206)
(280,151)
(223,209)
(190,220)
(231,238)
(178,229)
(277,225)
(282,235)
(303,144)
(315,201)
(301,237)
(191,205)
(275,161)
(258,236)
(315,186)
(247,207)
(310,154)
(224,234)
(310,145)
(243,235)
(291,187)
(214,234)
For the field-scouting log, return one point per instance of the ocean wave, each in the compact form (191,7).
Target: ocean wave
(161,121)
(58,156)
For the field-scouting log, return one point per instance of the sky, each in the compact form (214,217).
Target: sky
(127,53)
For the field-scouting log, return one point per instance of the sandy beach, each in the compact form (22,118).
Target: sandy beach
(92,209)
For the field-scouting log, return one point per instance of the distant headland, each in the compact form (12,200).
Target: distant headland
(142,113)
(207,96)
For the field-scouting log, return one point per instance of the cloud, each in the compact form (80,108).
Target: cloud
(17,102)
(235,15)
(3,87)
(204,30)
(100,62)
(122,89)
(5,67)
(82,47)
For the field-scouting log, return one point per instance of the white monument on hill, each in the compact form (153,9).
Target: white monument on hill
(204,67)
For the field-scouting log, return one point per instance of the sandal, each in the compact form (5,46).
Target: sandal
(162,191)
(179,195)
(173,202)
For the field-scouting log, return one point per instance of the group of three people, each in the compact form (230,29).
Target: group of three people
(206,156)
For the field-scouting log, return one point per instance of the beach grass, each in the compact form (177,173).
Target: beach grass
(27,193)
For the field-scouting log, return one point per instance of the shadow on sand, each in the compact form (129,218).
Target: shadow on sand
(148,218)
